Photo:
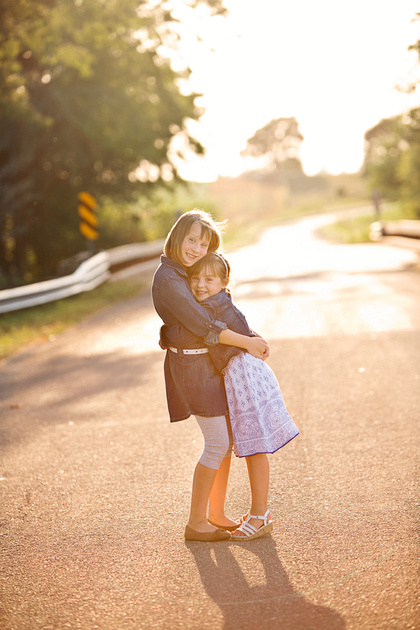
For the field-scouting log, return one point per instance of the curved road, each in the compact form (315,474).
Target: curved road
(95,482)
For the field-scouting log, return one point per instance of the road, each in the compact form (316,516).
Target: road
(95,482)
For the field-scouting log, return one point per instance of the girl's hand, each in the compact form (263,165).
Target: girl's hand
(258,348)
(267,351)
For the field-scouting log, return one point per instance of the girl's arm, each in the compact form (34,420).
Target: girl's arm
(171,335)
(239,333)
(176,296)
(254,345)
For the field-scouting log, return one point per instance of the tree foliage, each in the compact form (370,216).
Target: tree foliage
(275,148)
(88,101)
(392,158)
(383,147)
(392,155)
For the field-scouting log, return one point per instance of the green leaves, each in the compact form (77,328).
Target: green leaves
(88,94)
(392,158)
(275,148)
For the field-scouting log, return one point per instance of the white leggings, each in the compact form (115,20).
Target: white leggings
(218,440)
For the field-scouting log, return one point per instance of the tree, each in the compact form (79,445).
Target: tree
(392,158)
(409,165)
(383,147)
(89,101)
(413,84)
(275,148)
(392,154)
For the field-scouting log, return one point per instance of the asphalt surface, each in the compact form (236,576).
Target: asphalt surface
(95,482)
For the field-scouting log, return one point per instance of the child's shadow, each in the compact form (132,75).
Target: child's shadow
(272,604)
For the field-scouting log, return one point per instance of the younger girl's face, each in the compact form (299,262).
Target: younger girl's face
(205,283)
(193,246)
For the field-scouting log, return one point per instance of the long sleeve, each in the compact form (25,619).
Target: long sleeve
(175,304)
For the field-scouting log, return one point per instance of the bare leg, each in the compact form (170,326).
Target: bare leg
(218,496)
(202,484)
(259,479)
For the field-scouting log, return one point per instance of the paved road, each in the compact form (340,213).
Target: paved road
(95,482)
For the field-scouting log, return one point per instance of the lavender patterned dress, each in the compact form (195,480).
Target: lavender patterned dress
(259,418)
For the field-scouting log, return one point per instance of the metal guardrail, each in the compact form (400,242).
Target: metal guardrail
(410,229)
(400,233)
(88,275)
(97,269)
(135,252)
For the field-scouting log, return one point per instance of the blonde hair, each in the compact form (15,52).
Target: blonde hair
(215,263)
(209,228)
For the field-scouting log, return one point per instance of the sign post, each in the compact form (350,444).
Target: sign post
(89,221)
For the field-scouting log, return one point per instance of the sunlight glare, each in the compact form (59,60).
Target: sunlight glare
(335,70)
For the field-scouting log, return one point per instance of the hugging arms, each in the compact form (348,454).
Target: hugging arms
(191,324)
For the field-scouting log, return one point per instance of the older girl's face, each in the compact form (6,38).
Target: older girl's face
(193,246)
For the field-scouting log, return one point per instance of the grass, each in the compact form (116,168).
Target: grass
(249,207)
(41,323)
(357,230)
(245,234)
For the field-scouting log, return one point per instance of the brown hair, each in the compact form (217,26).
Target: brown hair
(209,228)
(215,263)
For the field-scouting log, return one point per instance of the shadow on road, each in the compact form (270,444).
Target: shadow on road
(64,387)
(245,605)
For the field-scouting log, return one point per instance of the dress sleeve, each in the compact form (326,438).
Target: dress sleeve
(178,298)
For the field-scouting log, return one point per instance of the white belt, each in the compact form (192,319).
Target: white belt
(190,350)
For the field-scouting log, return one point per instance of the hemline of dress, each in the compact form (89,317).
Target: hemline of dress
(267,452)
(203,415)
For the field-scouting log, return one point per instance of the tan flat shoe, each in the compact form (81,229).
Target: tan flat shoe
(228,528)
(218,534)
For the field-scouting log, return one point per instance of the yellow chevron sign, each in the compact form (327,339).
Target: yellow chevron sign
(86,207)
(88,232)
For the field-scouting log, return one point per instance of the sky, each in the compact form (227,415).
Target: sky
(333,65)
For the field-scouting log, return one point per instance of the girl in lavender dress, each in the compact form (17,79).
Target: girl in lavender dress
(259,419)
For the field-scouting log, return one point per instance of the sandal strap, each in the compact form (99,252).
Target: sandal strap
(247,529)
(262,518)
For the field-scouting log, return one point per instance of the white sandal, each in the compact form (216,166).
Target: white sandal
(250,532)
